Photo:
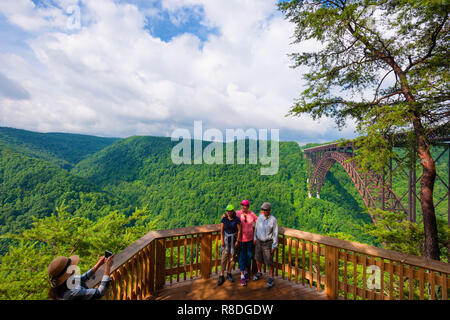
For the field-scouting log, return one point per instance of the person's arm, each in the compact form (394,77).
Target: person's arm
(222,241)
(99,264)
(109,263)
(106,280)
(91,272)
(275,234)
(254,231)
(95,293)
(239,226)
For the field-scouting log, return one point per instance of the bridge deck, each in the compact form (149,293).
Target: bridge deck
(207,289)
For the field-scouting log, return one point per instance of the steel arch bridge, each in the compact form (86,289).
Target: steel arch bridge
(375,188)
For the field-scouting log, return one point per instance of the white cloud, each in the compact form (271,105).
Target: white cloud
(114,78)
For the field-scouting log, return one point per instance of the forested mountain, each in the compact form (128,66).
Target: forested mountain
(34,179)
(93,175)
(63,149)
(139,171)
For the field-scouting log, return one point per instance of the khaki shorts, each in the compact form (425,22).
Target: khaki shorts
(263,252)
(227,262)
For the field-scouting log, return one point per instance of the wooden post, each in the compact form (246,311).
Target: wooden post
(152,268)
(331,271)
(160,263)
(205,255)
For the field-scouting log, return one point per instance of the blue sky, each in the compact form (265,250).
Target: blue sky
(149,67)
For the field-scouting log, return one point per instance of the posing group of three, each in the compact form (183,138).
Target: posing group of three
(245,231)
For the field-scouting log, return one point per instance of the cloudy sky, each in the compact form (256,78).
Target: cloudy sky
(147,67)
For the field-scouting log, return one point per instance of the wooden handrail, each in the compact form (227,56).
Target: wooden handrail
(125,255)
(369,250)
(319,261)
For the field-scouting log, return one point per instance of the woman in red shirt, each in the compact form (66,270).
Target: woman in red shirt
(248,221)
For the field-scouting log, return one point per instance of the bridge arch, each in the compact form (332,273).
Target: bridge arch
(375,188)
(371,186)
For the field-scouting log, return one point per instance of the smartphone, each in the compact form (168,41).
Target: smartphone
(108,254)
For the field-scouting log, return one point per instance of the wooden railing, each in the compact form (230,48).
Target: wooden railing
(344,269)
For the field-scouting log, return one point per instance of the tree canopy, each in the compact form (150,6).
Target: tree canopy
(385,65)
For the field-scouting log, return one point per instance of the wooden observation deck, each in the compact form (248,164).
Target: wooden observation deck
(184,264)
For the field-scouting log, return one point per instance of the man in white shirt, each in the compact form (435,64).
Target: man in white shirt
(266,241)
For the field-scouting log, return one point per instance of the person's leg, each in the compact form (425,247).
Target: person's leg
(258,255)
(259,259)
(249,255)
(246,260)
(242,259)
(223,263)
(223,267)
(230,264)
(268,260)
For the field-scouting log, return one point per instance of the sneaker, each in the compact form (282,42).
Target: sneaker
(247,277)
(257,276)
(230,277)
(243,282)
(270,283)
(221,280)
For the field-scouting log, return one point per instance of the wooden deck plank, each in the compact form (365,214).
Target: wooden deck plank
(207,289)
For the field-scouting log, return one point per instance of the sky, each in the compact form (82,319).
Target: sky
(124,68)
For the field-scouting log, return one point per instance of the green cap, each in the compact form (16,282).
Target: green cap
(229,207)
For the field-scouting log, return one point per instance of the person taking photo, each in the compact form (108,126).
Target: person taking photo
(66,285)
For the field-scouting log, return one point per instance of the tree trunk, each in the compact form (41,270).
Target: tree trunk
(428,178)
(426,194)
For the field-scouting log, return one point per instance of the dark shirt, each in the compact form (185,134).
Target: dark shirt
(230,226)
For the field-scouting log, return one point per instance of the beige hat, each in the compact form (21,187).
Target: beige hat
(266,206)
(57,269)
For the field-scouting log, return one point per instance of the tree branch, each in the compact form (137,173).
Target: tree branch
(379,85)
(433,45)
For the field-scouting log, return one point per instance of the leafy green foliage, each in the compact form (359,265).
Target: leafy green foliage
(31,187)
(405,236)
(24,269)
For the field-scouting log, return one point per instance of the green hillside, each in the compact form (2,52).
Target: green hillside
(136,172)
(139,171)
(63,149)
(34,178)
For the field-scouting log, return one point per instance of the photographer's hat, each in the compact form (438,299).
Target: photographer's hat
(57,269)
